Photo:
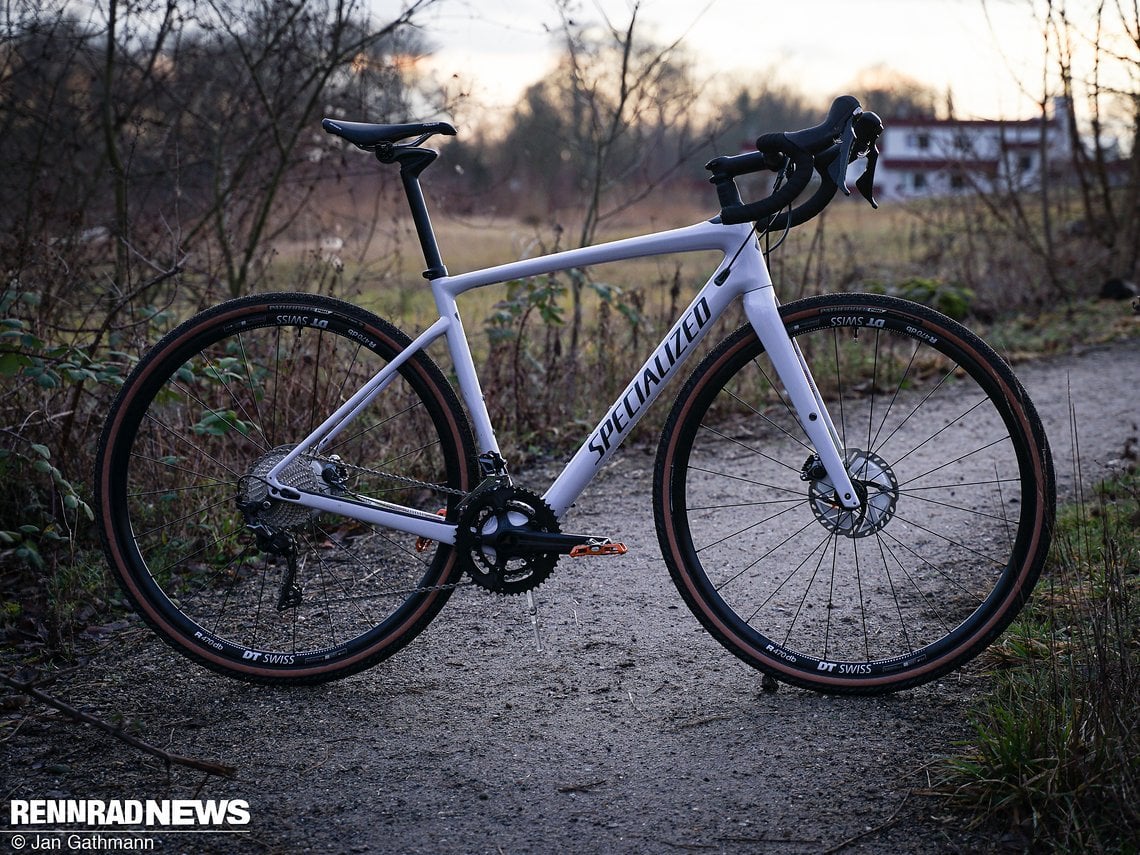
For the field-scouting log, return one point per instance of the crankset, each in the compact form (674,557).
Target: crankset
(510,538)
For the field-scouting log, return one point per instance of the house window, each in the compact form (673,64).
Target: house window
(919,141)
(957,181)
(1024,163)
(918,181)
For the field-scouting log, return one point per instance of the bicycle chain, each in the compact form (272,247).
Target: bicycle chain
(403,479)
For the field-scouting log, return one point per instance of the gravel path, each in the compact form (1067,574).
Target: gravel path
(630,730)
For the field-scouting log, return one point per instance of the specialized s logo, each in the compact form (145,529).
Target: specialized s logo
(643,389)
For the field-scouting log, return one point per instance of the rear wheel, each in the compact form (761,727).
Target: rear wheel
(957,499)
(255,588)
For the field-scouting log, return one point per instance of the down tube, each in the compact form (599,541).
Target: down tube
(662,365)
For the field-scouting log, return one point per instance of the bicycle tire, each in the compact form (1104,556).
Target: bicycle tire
(202,552)
(950,459)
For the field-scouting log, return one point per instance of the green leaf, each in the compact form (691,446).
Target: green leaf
(219,424)
(11,363)
(48,379)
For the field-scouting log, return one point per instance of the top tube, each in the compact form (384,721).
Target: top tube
(705,235)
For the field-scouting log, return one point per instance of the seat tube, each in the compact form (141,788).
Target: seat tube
(764,315)
(465,374)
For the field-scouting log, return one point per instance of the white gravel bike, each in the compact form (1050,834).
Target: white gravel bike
(852,492)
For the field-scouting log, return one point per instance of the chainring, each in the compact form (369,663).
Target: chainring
(495,566)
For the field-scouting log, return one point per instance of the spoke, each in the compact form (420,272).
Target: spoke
(916,408)
(779,395)
(315,411)
(276,383)
(807,590)
(839,383)
(209,481)
(341,393)
(931,606)
(894,592)
(925,563)
(748,447)
(212,366)
(182,559)
(181,437)
(995,482)
(190,396)
(961,508)
(228,588)
(862,608)
(197,513)
(761,415)
(830,598)
(790,575)
(1004,516)
(798,494)
(750,527)
(951,541)
(946,426)
(250,383)
(958,459)
(347,439)
(722,585)
(874,387)
(756,504)
(871,446)
(323,576)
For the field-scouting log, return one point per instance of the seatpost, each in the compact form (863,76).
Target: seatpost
(412,162)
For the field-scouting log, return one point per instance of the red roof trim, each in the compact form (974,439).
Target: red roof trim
(934,163)
(965,123)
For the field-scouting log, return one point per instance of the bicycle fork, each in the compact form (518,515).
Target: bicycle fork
(763,313)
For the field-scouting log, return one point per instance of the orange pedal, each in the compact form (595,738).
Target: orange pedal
(583,550)
(423,544)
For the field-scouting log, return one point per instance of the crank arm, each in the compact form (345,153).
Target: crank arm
(523,542)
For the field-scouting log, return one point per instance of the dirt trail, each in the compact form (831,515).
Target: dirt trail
(631,730)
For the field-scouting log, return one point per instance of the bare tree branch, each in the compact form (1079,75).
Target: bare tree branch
(31,689)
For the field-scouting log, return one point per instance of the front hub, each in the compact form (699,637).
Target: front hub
(876,485)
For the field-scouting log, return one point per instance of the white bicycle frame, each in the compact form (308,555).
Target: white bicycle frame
(742,272)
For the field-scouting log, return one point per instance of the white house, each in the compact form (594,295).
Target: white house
(939,157)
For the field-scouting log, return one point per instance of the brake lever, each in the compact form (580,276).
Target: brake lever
(868,127)
(866,182)
(837,172)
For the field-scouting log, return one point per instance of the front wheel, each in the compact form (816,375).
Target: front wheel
(957,498)
(250,586)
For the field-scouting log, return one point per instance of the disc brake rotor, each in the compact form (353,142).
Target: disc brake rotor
(878,492)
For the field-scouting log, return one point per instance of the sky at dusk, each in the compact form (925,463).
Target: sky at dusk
(985,53)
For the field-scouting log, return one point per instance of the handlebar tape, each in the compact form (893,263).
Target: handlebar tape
(800,147)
